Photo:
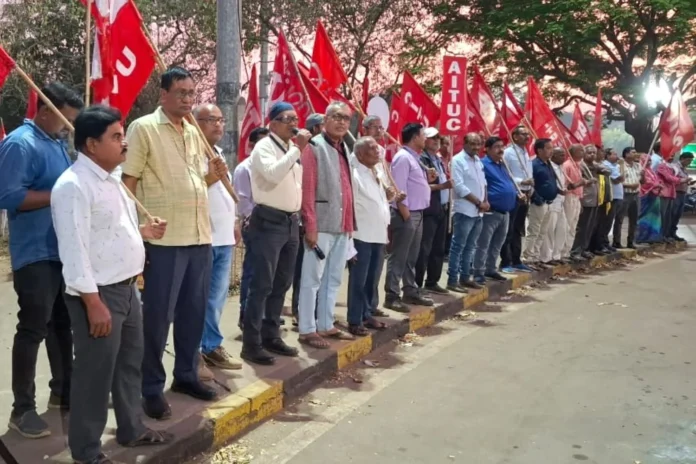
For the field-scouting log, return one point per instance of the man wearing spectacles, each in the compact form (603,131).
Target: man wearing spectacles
(226,233)
(329,219)
(165,168)
(276,185)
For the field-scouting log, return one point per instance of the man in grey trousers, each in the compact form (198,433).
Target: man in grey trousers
(100,244)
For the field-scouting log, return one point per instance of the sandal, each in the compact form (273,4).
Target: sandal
(358,330)
(152,438)
(338,335)
(379,313)
(374,324)
(315,341)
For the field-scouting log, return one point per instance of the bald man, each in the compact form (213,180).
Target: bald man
(226,233)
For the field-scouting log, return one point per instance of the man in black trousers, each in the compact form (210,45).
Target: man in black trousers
(432,248)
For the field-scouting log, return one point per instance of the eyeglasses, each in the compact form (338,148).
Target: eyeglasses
(378,128)
(340,117)
(214,120)
(183,94)
(287,119)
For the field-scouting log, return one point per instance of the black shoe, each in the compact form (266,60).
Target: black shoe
(470,284)
(195,390)
(456,288)
(618,246)
(278,346)
(101,459)
(418,300)
(631,246)
(56,402)
(496,276)
(257,355)
(588,254)
(396,305)
(436,289)
(578,258)
(282,321)
(612,249)
(679,239)
(156,407)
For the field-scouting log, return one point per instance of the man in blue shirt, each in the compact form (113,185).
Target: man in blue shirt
(435,218)
(32,158)
(502,196)
(545,191)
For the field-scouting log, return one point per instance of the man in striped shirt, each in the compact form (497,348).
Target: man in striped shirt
(629,207)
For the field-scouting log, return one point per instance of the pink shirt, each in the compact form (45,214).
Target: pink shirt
(669,180)
(573,174)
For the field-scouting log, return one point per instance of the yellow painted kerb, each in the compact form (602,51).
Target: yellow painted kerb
(354,351)
(520,280)
(477,297)
(230,417)
(421,319)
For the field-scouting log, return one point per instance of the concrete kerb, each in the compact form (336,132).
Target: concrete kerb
(237,412)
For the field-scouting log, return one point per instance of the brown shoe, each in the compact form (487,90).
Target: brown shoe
(221,359)
(204,374)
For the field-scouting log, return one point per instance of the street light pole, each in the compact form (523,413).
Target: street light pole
(229,55)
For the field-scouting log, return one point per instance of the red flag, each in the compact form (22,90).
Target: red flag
(416,104)
(286,82)
(596,135)
(365,93)
(579,127)
(318,99)
(542,119)
(3,134)
(394,127)
(511,110)
(32,104)
(676,127)
(123,59)
(326,72)
(475,122)
(565,132)
(482,99)
(453,120)
(252,116)
(334,95)
(7,64)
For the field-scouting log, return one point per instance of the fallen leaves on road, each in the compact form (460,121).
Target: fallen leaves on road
(559,278)
(409,339)
(316,402)
(522,291)
(232,454)
(367,362)
(465,316)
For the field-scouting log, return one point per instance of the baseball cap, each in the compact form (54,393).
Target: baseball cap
(431,132)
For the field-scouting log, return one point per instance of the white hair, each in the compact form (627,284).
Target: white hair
(335,106)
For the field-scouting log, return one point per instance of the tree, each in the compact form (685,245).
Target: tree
(50,45)
(575,46)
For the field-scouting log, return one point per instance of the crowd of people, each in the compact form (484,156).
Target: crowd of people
(312,201)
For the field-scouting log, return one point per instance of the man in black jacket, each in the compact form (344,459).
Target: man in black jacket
(432,249)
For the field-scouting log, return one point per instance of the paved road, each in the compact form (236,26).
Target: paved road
(602,371)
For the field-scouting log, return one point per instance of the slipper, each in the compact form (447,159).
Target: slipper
(338,335)
(374,324)
(315,341)
(152,438)
(358,330)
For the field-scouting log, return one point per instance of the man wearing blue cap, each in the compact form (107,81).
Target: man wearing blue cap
(276,185)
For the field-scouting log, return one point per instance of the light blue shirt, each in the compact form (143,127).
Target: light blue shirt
(441,175)
(519,163)
(616,189)
(242,184)
(468,177)
(655,160)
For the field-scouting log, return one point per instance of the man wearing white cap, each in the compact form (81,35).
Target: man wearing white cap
(432,248)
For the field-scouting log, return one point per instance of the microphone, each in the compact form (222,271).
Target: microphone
(296,131)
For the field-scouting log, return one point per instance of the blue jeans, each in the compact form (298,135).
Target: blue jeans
(219,286)
(465,233)
(493,233)
(363,281)
(246,274)
(322,278)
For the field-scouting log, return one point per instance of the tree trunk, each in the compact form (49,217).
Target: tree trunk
(640,128)
(229,52)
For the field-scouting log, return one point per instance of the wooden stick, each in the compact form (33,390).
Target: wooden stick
(88,58)
(70,127)
(209,151)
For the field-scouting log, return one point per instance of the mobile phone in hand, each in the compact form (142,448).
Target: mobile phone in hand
(320,254)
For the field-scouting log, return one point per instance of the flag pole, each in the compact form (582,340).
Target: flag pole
(209,151)
(88,23)
(70,127)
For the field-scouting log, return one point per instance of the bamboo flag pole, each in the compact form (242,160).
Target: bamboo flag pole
(209,151)
(88,57)
(70,127)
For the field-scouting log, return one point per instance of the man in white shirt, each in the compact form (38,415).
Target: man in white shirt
(225,231)
(101,247)
(470,202)
(276,185)
(520,164)
(372,217)
(554,240)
